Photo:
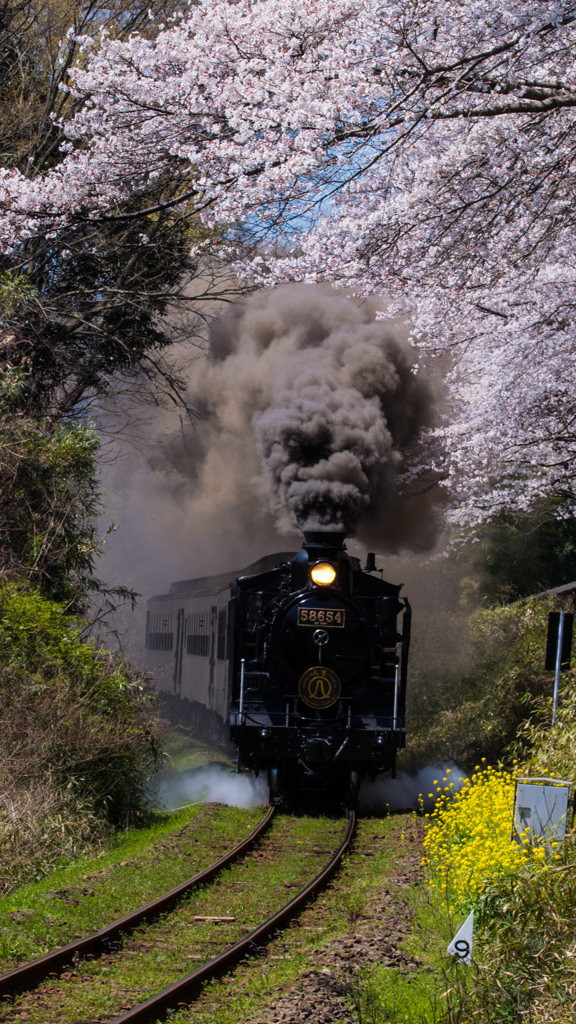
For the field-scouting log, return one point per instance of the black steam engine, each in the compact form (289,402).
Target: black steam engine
(318,668)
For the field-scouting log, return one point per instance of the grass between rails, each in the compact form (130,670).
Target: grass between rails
(154,957)
(378,888)
(133,869)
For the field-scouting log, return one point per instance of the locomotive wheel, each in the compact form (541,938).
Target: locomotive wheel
(274,787)
(353,789)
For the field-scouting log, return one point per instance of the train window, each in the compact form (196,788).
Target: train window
(159,631)
(198,645)
(198,634)
(221,649)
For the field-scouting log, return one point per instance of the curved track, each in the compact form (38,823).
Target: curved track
(187,988)
(28,975)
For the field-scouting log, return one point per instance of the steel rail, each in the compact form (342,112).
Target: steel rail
(28,975)
(186,989)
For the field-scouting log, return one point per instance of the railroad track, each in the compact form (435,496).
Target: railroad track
(29,975)
(187,988)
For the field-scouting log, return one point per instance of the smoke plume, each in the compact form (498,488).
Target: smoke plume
(210,783)
(309,409)
(408,792)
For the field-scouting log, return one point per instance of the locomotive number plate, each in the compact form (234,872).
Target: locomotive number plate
(319,687)
(335,617)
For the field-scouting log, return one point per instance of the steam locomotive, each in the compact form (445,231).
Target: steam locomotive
(312,680)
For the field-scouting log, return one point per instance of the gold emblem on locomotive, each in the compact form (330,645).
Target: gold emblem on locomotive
(319,687)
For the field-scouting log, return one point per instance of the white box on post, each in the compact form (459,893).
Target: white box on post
(544,806)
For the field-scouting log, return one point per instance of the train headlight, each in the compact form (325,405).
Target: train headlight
(323,574)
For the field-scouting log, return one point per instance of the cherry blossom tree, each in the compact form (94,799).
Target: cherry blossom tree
(423,150)
(90,310)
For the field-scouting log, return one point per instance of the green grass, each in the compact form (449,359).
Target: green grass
(383,994)
(386,996)
(292,852)
(134,868)
(185,751)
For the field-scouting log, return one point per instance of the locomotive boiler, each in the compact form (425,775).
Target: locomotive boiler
(305,662)
(318,668)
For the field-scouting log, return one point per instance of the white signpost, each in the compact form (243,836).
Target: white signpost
(544,806)
(461,945)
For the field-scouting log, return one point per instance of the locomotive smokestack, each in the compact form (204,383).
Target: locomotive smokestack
(324,539)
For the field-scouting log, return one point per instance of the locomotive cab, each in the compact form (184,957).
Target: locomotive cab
(318,667)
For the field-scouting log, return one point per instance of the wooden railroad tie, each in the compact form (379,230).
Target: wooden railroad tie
(212,920)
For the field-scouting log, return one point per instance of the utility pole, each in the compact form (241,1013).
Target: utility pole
(558,666)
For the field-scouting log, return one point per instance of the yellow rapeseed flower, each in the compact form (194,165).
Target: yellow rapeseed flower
(468,841)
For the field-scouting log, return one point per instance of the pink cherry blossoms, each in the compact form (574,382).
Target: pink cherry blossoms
(424,151)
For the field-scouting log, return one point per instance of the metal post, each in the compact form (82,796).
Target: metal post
(241,709)
(558,666)
(395,696)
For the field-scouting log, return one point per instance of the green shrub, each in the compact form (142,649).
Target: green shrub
(48,504)
(551,750)
(521,554)
(49,500)
(477,713)
(78,731)
(524,969)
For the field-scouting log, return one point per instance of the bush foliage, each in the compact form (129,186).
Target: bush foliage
(552,751)
(465,715)
(48,503)
(78,739)
(524,969)
(518,555)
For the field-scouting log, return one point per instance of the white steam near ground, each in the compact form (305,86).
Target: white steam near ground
(219,784)
(407,792)
(209,784)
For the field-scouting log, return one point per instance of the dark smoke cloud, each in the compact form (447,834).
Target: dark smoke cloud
(316,407)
